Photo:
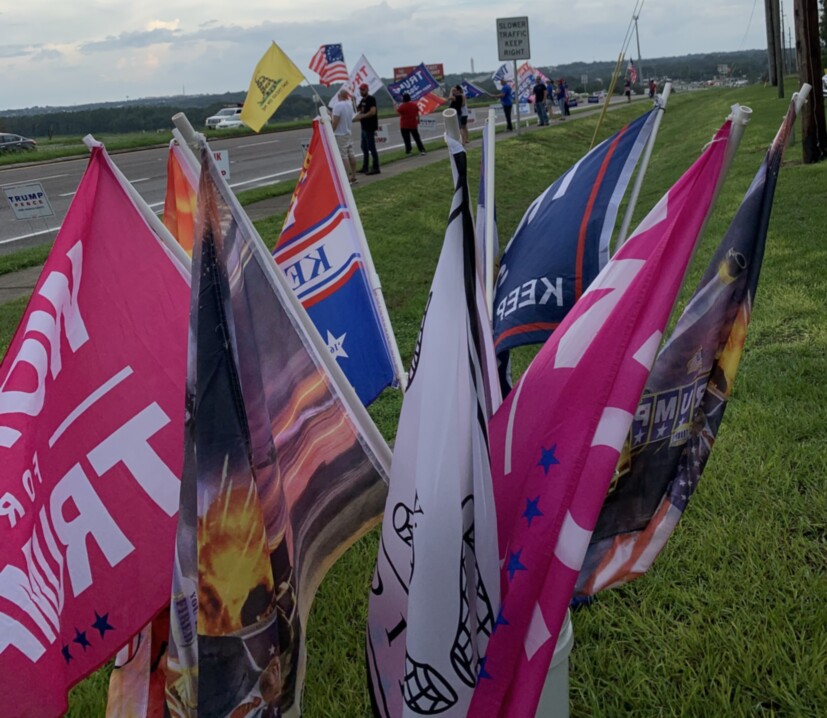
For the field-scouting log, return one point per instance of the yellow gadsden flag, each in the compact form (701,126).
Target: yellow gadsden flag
(274,78)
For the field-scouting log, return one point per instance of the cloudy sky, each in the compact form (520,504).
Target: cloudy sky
(64,53)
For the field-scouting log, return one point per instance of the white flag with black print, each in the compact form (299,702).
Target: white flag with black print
(435,591)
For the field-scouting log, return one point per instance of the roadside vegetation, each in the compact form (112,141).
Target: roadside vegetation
(732,619)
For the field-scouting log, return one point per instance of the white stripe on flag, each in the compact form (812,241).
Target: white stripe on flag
(537,634)
(572,543)
(612,428)
(648,351)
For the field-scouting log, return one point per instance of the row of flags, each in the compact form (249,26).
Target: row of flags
(197,417)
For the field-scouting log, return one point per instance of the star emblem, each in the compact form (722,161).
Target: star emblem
(501,620)
(81,640)
(514,564)
(66,655)
(547,458)
(336,345)
(482,672)
(639,437)
(661,431)
(101,624)
(531,510)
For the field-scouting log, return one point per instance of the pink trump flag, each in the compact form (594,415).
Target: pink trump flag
(91,444)
(556,440)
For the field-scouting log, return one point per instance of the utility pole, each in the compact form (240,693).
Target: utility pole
(808,55)
(783,44)
(779,61)
(639,61)
(769,22)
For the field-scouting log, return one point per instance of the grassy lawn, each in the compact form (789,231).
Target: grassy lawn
(732,619)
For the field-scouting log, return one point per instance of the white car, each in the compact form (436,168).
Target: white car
(227,113)
(231,124)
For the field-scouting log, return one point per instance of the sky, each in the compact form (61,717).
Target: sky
(69,53)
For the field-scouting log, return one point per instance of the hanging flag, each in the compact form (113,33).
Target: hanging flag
(556,439)
(417,84)
(683,404)
(364,74)
(429,621)
(91,437)
(527,76)
(562,241)
(632,72)
(329,64)
(274,78)
(179,201)
(471,90)
(320,254)
(428,103)
(503,72)
(283,470)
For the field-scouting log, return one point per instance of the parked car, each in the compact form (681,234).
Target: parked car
(824,83)
(230,124)
(227,113)
(10,143)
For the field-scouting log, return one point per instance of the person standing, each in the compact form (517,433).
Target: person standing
(459,103)
(409,123)
(342,115)
(627,89)
(562,99)
(540,102)
(369,120)
(507,101)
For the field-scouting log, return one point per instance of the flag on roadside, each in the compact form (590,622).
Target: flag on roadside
(557,437)
(562,241)
(363,73)
(91,437)
(329,64)
(632,72)
(320,254)
(503,72)
(471,90)
(417,84)
(429,621)
(527,76)
(683,404)
(429,103)
(274,78)
(283,470)
(179,200)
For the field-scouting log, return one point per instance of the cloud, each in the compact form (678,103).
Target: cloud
(137,39)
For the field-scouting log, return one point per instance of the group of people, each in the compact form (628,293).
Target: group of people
(546,96)
(343,117)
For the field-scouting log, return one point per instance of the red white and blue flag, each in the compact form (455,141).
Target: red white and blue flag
(682,407)
(556,440)
(471,90)
(632,72)
(329,64)
(320,253)
(562,241)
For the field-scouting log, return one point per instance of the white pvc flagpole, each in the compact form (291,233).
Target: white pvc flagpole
(644,164)
(375,283)
(490,129)
(151,218)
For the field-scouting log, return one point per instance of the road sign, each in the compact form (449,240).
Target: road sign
(222,159)
(382,135)
(512,38)
(28,201)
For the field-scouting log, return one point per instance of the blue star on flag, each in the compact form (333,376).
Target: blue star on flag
(514,564)
(501,620)
(81,640)
(66,655)
(547,458)
(101,623)
(532,510)
(482,672)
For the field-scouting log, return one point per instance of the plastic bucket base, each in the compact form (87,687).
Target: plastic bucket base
(554,702)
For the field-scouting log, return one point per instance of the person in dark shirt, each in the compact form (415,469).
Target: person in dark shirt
(409,123)
(507,101)
(369,120)
(540,102)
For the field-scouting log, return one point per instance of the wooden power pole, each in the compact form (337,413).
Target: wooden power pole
(808,55)
(778,44)
(771,64)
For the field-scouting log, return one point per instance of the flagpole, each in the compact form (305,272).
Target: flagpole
(490,129)
(517,93)
(607,100)
(375,283)
(644,164)
(155,224)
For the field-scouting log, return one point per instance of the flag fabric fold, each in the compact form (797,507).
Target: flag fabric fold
(274,78)
(683,404)
(562,241)
(471,90)
(363,73)
(417,84)
(556,439)
(91,418)
(283,470)
(503,72)
(329,64)
(632,70)
(434,594)
(320,254)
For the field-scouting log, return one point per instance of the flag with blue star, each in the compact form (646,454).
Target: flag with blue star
(686,394)
(557,438)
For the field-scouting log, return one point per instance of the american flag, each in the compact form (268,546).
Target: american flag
(329,64)
(632,72)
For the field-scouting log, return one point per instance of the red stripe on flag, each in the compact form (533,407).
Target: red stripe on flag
(523,328)
(312,239)
(316,298)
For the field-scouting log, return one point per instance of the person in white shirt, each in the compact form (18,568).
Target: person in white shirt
(343,130)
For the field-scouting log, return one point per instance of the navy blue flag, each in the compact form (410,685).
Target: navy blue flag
(471,91)
(418,84)
(562,241)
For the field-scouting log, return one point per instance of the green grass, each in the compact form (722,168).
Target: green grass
(732,619)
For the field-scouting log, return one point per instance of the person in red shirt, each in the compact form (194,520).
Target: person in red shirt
(409,123)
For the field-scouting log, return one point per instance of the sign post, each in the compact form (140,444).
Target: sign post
(513,44)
